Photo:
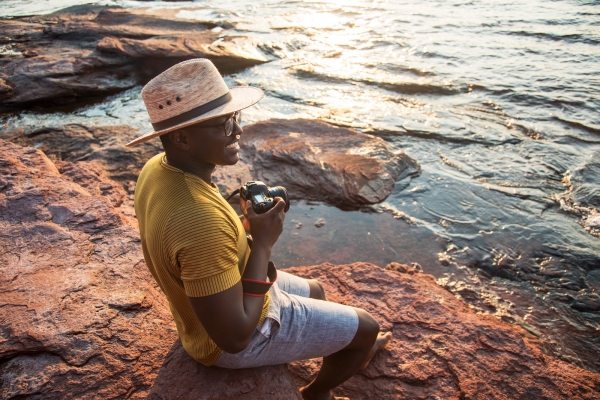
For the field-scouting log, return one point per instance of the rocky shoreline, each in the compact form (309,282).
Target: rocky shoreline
(80,315)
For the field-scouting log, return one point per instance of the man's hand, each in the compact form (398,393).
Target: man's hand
(265,228)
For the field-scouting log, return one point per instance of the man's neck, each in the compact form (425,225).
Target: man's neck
(201,170)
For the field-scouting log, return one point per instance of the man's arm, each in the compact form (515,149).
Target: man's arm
(230,317)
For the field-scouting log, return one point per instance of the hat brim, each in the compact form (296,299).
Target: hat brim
(241,97)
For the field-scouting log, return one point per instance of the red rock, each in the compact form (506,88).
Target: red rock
(314,160)
(81,317)
(103,145)
(88,51)
(91,176)
(441,349)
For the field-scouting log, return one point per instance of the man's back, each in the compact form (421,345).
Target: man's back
(194,245)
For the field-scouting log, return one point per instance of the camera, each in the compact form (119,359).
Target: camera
(262,196)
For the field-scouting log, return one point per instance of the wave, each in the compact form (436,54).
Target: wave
(576,124)
(572,38)
(409,88)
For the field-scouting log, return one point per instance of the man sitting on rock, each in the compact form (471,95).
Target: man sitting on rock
(228,313)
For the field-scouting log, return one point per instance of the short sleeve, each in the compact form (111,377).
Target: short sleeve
(202,242)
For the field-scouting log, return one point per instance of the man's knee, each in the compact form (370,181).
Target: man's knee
(316,290)
(368,327)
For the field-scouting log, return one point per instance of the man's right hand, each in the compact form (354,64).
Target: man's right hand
(265,228)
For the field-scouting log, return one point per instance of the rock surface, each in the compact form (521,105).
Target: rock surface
(88,51)
(441,349)
(80,315)
(317,161)
(104,145)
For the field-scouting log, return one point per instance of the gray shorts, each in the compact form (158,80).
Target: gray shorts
(296,328)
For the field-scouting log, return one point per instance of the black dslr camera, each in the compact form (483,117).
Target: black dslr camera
(262,196)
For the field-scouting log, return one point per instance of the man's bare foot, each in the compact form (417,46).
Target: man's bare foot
(382,339)
(305,396)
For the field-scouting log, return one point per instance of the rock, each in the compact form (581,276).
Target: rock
(80,314)
(5,89)
(317,161)
(224,52)
(273,382)
(58,77)
(91,176)
(103,145)
(320,222)
(88,51)
(441,349)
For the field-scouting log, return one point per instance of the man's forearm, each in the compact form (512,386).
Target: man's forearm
(256,269)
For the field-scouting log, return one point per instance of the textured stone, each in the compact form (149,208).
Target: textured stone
(441,349)
(103,145)
(314,160)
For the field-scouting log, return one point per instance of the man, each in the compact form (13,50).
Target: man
(227,312)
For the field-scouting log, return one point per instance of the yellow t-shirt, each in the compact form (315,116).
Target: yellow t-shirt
(194,245)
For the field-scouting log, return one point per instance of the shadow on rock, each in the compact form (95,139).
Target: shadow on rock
(273,382)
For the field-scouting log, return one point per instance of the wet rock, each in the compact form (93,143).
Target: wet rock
(586,302)
(58,77)
(440,348)
(320,222)
(88,51)
(317,161)
(225,52)
(80,315)
(5,89)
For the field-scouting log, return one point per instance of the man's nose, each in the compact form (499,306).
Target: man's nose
(237,129)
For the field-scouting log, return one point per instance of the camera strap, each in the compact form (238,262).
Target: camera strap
(236,191)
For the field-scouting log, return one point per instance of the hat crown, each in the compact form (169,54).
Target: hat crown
(181,88)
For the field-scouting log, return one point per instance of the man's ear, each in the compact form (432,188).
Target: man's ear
(179,139)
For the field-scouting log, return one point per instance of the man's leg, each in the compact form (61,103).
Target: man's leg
(342,365)
(316,290)
(293,284)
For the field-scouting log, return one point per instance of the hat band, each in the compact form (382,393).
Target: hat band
(191,114)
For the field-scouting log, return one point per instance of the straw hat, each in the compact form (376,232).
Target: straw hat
(188,93)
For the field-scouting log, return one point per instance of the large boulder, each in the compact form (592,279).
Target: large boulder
(318,161)
(441,349)
(80,314)
(88,51)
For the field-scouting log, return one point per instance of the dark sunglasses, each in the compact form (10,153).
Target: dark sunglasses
(228,124)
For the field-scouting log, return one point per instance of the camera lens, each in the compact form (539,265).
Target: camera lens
(279,191)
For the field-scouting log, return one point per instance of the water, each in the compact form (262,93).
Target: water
(497,100)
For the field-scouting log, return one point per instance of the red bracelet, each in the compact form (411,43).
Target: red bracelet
(256,288)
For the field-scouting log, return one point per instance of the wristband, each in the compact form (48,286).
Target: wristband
(252,287)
